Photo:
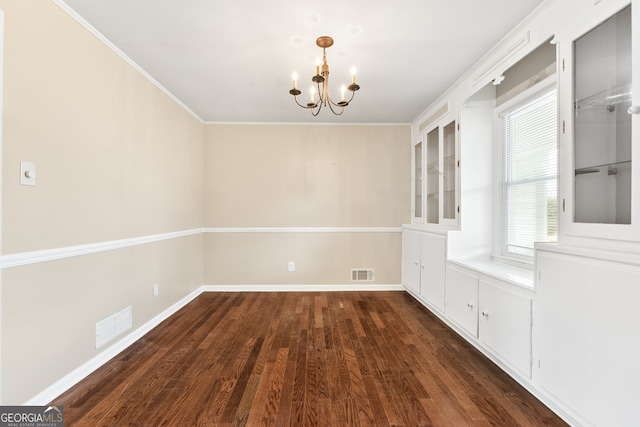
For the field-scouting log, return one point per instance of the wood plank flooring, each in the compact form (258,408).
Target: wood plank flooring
(302,359)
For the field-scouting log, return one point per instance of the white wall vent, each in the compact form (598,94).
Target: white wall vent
(113,326)
(361,275)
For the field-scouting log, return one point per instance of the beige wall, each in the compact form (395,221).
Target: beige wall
(304,176)
(50,309)
(116,158)
(320,258)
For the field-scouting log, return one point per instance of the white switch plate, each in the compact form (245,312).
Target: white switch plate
(291,266)
(156,290)
(27,173)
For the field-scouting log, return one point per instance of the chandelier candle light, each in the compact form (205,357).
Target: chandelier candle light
(321,79)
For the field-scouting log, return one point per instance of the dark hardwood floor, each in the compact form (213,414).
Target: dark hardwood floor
(302,359)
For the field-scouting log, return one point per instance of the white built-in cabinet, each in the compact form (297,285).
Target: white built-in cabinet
(436,174)
(568,330)
(423,266)
(494,314)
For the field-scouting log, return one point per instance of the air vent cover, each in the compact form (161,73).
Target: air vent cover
(113,326)
(362,275)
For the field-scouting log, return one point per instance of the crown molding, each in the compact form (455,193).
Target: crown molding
(62,5)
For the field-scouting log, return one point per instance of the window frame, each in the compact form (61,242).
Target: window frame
(499,252)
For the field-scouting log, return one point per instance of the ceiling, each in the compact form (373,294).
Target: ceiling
(232,61)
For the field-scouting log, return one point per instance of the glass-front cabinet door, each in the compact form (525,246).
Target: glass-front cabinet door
(600,71)
(436,175)
(602,126)
(433,176)
(417,182)
(449,173)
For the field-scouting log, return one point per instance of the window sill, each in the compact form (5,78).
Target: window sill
(518,276)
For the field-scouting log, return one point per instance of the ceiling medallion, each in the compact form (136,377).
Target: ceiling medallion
(321,80)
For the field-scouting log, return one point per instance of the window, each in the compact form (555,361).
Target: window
(529,184)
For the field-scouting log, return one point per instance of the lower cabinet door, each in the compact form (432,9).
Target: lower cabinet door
(433,264)
(462,300)
(411,260)
(587,343)
(505,325)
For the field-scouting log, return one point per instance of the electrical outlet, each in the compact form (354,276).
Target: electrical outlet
(291,266)
(156,290)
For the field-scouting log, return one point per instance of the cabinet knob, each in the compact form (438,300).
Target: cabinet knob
(470,304)
(634,109)
(485,313)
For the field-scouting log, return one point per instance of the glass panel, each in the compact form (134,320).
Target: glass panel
(417,212)
(449,171)
(433,175)
(602,123)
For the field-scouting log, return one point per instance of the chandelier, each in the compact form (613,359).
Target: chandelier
(321,87)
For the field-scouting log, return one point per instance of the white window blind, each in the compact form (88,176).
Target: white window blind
(529,203)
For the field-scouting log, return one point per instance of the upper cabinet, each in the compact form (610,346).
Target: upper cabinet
(600,130)
(436,174)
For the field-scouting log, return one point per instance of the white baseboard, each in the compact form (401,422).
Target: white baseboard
(302,288)
(78,374)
